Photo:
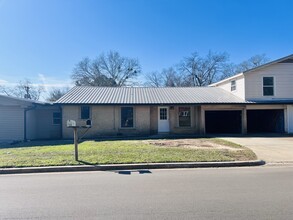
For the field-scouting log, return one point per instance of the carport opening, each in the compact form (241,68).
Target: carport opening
(265,121)
(223,122)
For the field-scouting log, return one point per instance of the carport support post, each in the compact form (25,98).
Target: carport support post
(75,143)
(244,121)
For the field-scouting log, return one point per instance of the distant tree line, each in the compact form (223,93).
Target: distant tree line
(196,70)
(112,69)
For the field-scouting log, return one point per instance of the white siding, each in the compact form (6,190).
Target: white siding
(290,118)
(240,84)
(283,78)
(12,123)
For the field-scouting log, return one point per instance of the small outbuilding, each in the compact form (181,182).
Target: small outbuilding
(24,119)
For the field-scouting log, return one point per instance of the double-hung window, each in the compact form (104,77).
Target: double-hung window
(233,85)
(127,117)
(268,86)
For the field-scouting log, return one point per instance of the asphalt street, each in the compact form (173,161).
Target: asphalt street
(211,193)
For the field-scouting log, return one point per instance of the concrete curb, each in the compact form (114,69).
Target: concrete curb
(130,166)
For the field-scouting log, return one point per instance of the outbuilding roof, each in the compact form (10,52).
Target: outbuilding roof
(151,96)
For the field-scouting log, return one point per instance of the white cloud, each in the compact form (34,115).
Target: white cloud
(50,82)
(3,82)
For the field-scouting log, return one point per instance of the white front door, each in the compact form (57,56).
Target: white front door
(163,119)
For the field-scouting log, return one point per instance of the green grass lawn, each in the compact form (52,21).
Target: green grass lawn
(50,153)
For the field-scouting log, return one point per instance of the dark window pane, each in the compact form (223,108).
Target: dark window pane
(163,114)
(233,85)
(268,81)
(184,117)
(127,117)
(268,91)
(85,112)
(56,121)
(56,114)
(56,118)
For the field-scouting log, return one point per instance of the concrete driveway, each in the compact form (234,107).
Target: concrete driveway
(270,149)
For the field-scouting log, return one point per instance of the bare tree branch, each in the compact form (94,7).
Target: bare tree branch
(24,89)
(109,69)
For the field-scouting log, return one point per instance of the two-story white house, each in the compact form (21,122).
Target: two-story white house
(268,90)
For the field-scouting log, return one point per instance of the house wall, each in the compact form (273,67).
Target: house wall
(174,121)
(44,126)
(154,119)
(106,121)
(240,86)
(40,123)
(31,125)
(290,118)
(283,78)
(12,123)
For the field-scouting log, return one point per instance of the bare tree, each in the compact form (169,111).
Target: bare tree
(24,89)
(154,79)
(171,78)
(255,61)
(202,71)
(252,62)
(229,70)
(109,69)
(166,78)
(56,93)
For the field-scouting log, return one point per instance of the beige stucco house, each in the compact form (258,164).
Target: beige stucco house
(256,101)
(259,100)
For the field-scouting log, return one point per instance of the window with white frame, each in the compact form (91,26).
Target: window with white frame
(233,85)
(268,86)
(184,117)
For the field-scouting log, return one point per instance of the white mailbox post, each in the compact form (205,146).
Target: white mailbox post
(72,124)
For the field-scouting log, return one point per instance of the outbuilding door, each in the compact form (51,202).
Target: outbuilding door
(163,119)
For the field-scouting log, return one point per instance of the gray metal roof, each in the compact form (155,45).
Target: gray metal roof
(142,96)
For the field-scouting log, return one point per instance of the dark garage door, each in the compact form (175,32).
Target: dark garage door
(265,121)
(223,122)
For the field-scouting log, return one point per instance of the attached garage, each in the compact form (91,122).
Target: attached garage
(223,122)
(265,121)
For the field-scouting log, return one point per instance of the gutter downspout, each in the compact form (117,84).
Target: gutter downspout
(61,123)
(25,111)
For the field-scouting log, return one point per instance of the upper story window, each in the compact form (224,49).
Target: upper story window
(233,85)
(184,117)
(56,118)
(85,112)
(127,117)
(268,86)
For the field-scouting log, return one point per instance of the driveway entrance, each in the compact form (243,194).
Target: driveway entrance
(269,149)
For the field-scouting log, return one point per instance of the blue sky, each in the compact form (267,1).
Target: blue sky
(43,39)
